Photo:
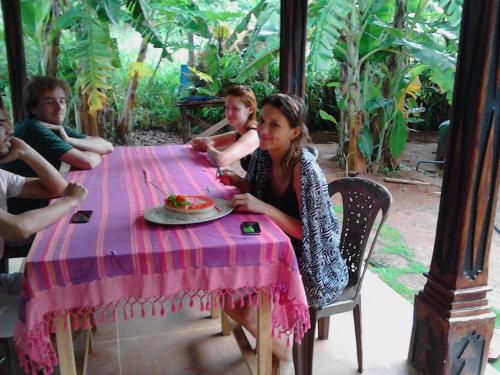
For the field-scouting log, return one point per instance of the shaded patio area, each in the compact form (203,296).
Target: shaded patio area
(189,342)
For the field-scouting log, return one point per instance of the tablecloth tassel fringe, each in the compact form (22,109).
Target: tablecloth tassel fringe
(153,309)
(181,304)
(65,321)
(93,316)
(75,320)
(52,325)
(215,299)
(289,341)
(86,322)
(131,312)
(245,296)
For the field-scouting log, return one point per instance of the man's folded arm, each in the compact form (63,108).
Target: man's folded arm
(81,159)
(97,145)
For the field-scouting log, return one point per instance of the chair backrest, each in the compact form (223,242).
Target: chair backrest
(362,200)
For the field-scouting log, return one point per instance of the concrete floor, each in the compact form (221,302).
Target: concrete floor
(189,342)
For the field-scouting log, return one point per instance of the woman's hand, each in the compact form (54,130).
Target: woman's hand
(248,203)
(199,144)
(227,177)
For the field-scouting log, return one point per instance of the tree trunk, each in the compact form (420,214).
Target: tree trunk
(88,122)
(396,64)
(191,50)
(123,126)
(53,48)
(352,89)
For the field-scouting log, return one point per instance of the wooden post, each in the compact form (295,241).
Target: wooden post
(293,35)
(15,54)
(453,323)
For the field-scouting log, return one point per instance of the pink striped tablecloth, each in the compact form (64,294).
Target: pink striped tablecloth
(118,260)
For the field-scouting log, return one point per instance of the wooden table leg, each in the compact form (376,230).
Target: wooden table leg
(264,342)
(64,341)
(225,324)
(214,307)
(186,124)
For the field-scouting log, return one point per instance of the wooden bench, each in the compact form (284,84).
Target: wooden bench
(188,108)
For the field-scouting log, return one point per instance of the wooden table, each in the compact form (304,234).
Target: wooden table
(75,273)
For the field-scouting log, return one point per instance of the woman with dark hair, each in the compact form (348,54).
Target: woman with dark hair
(284,182)
(240,111)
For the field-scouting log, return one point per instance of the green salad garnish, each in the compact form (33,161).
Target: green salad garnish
(178,200)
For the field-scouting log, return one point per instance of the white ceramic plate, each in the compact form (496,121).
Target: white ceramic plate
(160,215)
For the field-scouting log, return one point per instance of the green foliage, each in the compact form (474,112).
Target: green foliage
(391,242)
(365,141)
(35,16)
(247,52)
(398,137)
(94,51)
(327,19)
(497,313)
(262,59)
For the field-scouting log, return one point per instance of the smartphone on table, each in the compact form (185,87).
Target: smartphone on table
(82,216)
(250,227)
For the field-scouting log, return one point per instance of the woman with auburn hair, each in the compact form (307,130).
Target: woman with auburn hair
(284,182)
(240,111)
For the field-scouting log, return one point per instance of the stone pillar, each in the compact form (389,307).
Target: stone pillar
(453,323)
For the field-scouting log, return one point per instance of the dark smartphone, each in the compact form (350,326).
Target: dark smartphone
(250,227)
(81,216)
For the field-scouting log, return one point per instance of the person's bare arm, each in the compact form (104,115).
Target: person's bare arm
(228,177)
(290,225)
(221,140)
(49,183)
(18,227)
(81,159)
(96,145)
(247,144)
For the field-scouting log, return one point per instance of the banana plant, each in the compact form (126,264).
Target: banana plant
(381,47)
(96,53)
(35,17)
(249,48)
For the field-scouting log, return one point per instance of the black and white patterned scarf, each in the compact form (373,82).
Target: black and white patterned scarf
(324,272)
